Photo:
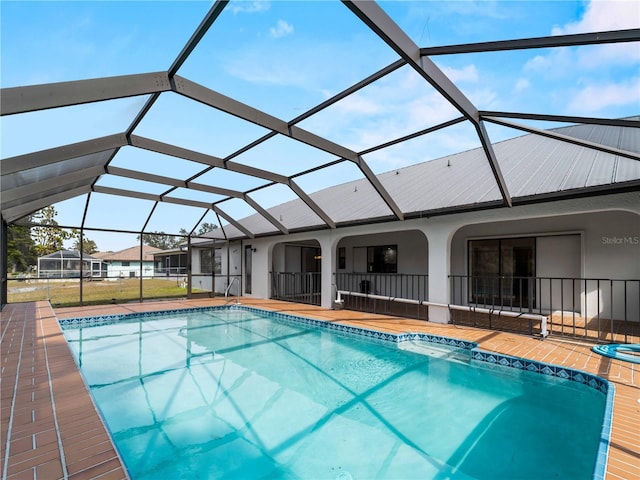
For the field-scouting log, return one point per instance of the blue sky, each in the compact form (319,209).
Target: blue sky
(284,57)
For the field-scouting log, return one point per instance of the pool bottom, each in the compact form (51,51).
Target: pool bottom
(250,427)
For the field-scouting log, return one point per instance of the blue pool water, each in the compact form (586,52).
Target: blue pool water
(232,393)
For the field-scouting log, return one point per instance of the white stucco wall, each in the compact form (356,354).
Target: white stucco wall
(596,245)
(412,250)
(115,269)
(609,227)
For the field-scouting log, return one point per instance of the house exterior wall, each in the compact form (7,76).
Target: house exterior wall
(115,269)
(217,283)
(412,250)
(608,227)
(594,246)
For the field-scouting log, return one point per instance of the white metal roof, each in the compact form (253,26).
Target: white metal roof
(533,165)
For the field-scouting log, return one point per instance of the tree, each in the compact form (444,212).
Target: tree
(48,237)
(21,252)
(205,227)
(161,240)
(165,241)
(88,246)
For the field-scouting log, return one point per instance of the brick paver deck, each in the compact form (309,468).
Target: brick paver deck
(50,428)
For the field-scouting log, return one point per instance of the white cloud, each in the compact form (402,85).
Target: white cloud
(601,15)
(557,63)
(592,60)
(359,105)
(398,105)
(282,29)
(255,6)
(594,98)
(604,15)
(465,74)
(521,85)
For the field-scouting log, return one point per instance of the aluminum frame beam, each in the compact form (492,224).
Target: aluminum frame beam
(174,151)
(233,222)
(565,138)
(150,196)
(595,38)
(372,15)
(24,192)
(380,23)
(621,122)
(126,193)
(145,177)
(15,213)
(201,30)
(411,136)
(58,154)
(63,94)
(311,204)
(221,102)
(233,107)
(265,214)
(35,196)
(493,162)
(204,159)
(148,177)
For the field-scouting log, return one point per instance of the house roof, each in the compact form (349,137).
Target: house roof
(534,167)
(596,156)
(69,254)
(129,254)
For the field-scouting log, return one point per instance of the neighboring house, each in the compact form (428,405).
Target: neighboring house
(127,263)
(66,264)
(570,243)
(170,263)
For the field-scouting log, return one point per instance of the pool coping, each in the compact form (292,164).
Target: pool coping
(600,384)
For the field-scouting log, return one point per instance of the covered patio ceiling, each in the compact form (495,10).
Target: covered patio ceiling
(251,155)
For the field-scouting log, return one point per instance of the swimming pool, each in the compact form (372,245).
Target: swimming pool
(240,393)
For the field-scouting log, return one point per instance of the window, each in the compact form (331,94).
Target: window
(206,264)
(126,264)
(247,268)
(342,258)
(211,261)
(382,259)
(501,271)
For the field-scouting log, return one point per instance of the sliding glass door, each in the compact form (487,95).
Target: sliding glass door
(501,272)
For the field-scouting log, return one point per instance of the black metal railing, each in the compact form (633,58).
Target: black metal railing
(388,293)
(170,271)
(605,309)
(297,287)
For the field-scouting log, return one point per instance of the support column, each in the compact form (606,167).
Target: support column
(439,238)
(4,228)
(328,266)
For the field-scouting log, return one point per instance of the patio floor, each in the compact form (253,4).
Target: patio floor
(50,428)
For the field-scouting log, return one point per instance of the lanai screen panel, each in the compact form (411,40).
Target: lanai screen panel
(244,95)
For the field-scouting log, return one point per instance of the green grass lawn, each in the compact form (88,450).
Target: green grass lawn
(66,293)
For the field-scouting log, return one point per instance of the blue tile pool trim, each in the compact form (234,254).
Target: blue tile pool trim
(604,386)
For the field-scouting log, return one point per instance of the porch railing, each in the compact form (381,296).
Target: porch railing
(170,271)
(384,292)
(300,287)
(603,309)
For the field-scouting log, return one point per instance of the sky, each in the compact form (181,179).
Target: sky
(284,57)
